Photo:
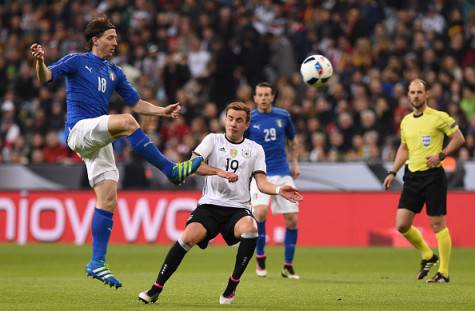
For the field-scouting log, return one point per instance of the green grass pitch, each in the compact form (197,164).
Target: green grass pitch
(51,277)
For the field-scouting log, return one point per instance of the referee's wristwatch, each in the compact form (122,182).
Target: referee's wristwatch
(442,155)
(392,173)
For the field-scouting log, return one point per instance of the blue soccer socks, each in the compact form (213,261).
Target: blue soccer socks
(176,172)
(289,244)
(143,145)
(261,239)
(101,230)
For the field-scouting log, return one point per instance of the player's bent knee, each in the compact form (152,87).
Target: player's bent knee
(291,221)
(193,234)
(260,212)
(437,226)
(129,123)
(403,228)
(108,203)
(246,225)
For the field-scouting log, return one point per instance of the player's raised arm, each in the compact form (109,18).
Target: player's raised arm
(146,108)
(288,192)
(42,71)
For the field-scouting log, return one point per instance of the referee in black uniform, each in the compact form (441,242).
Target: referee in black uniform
(422,136)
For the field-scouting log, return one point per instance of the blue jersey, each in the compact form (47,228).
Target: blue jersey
(90,81)
(271,131)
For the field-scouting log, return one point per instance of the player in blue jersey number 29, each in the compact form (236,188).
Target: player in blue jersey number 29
(272,128)
(90,81)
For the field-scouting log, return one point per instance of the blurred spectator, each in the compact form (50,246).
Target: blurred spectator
(205,54)
(54,151)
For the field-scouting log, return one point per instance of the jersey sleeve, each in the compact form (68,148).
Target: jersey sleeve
(260,161)
(401,129)
(205,148)
(67,65)
(447,124)
(125,89)
(289,128)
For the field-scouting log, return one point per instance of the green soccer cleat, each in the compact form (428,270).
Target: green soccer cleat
(181,170)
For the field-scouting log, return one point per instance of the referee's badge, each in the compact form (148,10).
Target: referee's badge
(111,75)
(233,152)
(426,140)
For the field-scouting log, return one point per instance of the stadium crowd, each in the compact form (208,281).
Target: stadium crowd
(207,53)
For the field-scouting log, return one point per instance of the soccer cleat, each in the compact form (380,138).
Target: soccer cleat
(146,299)
(98,270)
(227,300)
(288,272)
(261,266)
(426,264)
(439,278)
(181,170)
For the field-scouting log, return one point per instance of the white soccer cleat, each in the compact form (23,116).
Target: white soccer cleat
(226,300)
(145,298)
(261,272)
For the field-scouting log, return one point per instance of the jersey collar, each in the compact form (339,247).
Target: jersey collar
(234,142)
(96,58)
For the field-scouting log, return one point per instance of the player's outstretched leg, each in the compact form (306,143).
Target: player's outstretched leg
(176,172)
(244,255)
(101,229)
(172,261)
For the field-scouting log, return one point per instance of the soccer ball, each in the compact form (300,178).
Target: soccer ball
(316,70)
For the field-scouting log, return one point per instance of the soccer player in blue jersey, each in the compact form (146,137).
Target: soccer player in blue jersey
(90,80)
(272,128)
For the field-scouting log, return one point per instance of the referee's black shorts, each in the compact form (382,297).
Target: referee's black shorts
(218,219)
(428,187)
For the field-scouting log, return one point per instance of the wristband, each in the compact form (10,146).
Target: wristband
(277,190)
(392,173)
(442,155)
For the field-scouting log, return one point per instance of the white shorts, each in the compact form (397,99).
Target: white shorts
(279,204)
(91,140)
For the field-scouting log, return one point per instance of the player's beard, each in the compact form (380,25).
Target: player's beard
(418,104)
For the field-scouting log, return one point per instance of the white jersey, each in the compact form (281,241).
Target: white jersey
(245,159)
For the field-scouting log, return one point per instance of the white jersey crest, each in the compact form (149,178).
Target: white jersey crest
(245,159)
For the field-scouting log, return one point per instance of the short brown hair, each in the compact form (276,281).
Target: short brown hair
(264,84)
(240,106)
(95,28)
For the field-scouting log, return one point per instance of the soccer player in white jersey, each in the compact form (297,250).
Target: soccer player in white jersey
(90,81)
(225,205)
